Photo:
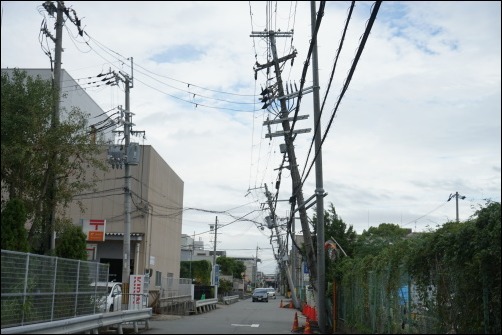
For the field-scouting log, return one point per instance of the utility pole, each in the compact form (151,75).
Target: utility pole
(57,102)
(50,209)
(214,257)
(288,138)
(456,195)
(127,156)
(215,235)
(321,271)
(56,89)
(283,254)
(255,279)
(126,270)
(191,257)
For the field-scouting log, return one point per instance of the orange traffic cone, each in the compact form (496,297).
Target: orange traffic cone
(307,329)
(295,323)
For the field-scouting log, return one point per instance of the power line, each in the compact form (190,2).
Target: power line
(349,77)
(432,211)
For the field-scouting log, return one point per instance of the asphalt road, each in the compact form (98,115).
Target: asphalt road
(242,317)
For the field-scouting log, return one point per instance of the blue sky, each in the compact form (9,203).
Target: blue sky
(421,118)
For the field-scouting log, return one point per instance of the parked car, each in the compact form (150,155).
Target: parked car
(271,293)
(260,294)
(112,301)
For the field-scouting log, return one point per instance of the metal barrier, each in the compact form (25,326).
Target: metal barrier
(205,305)
(86,323)
(230,299)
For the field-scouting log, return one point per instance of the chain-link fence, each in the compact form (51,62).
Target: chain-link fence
(38,288)
(377,302)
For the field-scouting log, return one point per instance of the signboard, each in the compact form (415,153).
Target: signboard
(94,229)
(216,275)
(138,291)
(91,251)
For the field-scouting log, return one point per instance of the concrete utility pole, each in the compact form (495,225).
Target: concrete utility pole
(321,271)
(255,279)
(456,195)
(283,253)
(56,86)
(214,256)
(288,138)
(191,257)
(128,155)
(126,270)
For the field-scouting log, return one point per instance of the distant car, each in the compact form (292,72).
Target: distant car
(271,292)
(112,301)
(260,294)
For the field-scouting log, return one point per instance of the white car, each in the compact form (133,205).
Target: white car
(112,301)
(271,293)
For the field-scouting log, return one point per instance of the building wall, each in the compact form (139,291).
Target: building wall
(72,95)
(165,197)
(155,211)
(250,263)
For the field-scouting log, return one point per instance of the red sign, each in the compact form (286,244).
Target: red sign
(94,229)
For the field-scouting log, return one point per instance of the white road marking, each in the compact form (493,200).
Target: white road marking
(254,325)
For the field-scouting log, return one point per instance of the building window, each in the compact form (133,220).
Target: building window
(158,278)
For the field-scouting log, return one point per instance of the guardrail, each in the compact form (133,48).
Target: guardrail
(205,305)
(85,323)
(230,299)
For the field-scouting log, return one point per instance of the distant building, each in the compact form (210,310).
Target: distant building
(194,250)
(251,273)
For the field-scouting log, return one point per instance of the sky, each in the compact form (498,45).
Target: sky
(418,121)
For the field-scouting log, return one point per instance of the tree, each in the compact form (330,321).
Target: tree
(71,242)
(201,271)
(225,287)
(231,266)
(373,240)
(336,228)
(33,150)
(14,235)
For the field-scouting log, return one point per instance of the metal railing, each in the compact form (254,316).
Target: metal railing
(205,305)
(230,299)
(175,287)
(86,323)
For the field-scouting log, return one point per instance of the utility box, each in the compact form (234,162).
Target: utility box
(283,148)
(133,154)
(270,222)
